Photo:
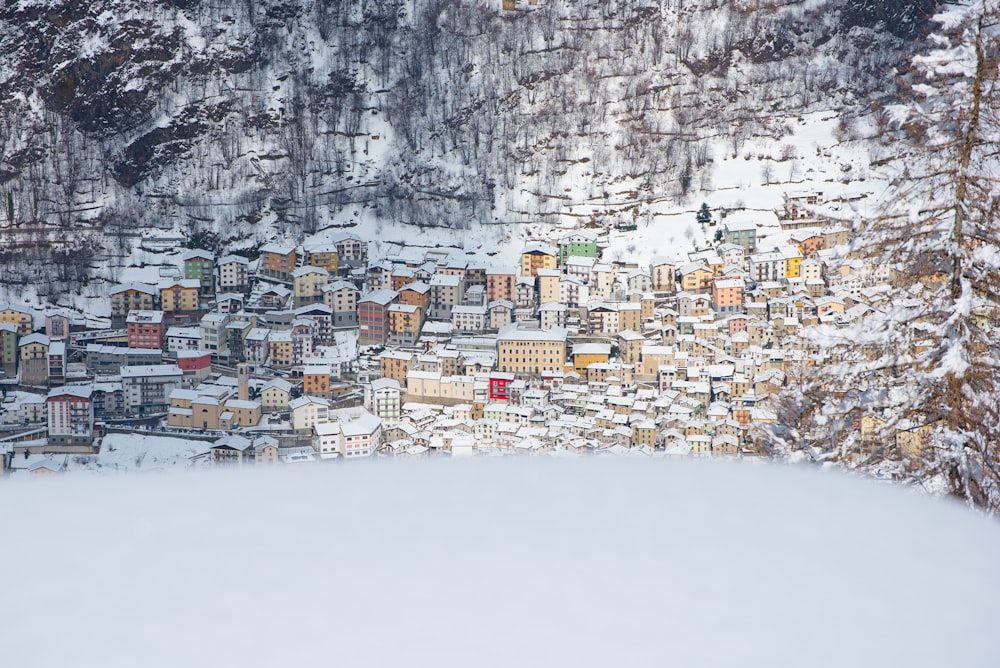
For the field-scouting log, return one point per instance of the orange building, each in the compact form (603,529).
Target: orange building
(277,261)
(316,380)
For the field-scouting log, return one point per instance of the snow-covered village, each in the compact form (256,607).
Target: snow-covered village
(322,352)
(236,234)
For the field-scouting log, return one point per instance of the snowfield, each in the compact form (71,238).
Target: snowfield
(495,563)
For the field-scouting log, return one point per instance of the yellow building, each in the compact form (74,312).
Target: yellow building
(630,316)
(537,255)
(586,354)
(531,351)
(548,285)
(280,349)
(395,364)
(696,279)
(793,261)
(630,346)
(131,297)
(644,433)
(308,283)
(405,322)
(18,316)
(179,296)
(321,255)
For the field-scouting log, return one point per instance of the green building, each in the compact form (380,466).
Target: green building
(8,348)
(200,265)
(579,244)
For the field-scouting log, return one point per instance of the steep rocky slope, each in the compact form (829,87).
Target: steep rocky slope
(266,118)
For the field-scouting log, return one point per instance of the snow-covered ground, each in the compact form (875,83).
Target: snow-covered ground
(495,563)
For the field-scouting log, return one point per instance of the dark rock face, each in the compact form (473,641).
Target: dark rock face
(903,18)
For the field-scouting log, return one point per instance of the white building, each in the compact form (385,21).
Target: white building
(147,389)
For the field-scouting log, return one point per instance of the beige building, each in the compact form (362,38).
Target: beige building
(531,351)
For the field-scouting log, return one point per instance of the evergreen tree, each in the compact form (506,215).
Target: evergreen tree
(704,214)
(912,391)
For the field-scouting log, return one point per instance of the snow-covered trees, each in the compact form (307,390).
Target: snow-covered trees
(913,388)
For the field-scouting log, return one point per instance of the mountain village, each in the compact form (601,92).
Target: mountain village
(319,352)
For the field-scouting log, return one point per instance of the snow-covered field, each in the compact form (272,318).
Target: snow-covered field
(495,563)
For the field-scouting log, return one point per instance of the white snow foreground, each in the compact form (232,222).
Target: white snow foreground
(498,563)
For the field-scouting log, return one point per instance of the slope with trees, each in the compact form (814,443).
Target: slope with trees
(913,391)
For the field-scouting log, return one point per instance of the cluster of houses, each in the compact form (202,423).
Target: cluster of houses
(315,352)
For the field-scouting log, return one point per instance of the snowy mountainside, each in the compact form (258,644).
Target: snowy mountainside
(278,119)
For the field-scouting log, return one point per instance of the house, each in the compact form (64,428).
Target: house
(602,280)
(57,363)
(265,450)
(279,345)
(663,274)
(8,348)
(416,293)
(582,243)
(727,296)
(308,283)
(179,297)
(405,323)
(127,297)
(585,354)
(108,400)
(798,204)
(234,274)
(70,413)
(373,317)
(231,450)
(469,318)
(212,334)
(230,302)
(602,318)
(316,380)
(19,316)
(447,291)
(322,255)
(501,313)
(33,352)
(500,284)
(342,298)
(308,411)
(147,389)
(196,365)
(547,281)
(524,350)
(200,265)
(303,334)
(350,248)
(395,364)
(696,277)
(277,261)
(767,267)
(378,275)
(740,228)
(275,394)
(56,326)
(525,294)
(328,440)
(382,399)
(275,297)
(538,255)
(146,329)
(552,315)
(256,346)
(362,432)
